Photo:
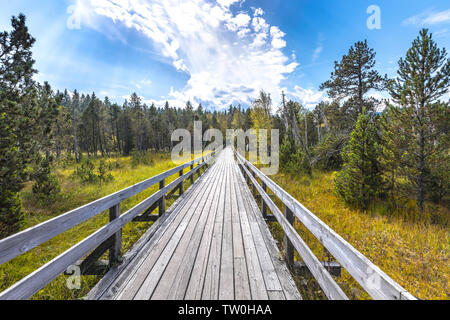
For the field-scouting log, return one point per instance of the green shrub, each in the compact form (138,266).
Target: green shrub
(85,171)
(103,174)
(328,154)
(292,159)
(45,186)
(359,182)
(146,158)
(11,213)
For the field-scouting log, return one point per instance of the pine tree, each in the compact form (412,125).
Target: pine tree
(393,151)
(423,77)
(52,120)
(353,77)
(359,182)
(17,114)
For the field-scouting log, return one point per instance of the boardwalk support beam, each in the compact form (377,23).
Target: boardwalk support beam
(162,202)
(114,251)
(263,204)
(181,183)
(288,247)
(333,267)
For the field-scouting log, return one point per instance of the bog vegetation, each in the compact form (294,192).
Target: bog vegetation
(376,171)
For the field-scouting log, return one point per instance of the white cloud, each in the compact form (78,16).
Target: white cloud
(429,18)
(317,52)
(239,22)
(319,48)
(277,38)
(258,12)
(229,57)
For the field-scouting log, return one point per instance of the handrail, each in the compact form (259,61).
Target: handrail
(30,238)
(377,283)
(326,282)
(36,235)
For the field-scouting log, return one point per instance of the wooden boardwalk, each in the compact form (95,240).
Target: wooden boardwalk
(214,244)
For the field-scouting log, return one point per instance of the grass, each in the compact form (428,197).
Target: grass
(75,194)
(412,249)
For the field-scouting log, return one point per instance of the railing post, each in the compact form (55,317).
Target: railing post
(192,174)
(181,183)
(247,178)
(288,247)
(114,251)
(263,203)
(162,201)
(253,185)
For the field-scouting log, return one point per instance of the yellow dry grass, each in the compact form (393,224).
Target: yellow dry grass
(408,246)
(75,194)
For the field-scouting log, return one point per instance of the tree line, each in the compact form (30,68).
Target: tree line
(401,151)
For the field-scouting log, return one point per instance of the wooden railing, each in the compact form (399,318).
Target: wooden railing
(376,283)
(106,238)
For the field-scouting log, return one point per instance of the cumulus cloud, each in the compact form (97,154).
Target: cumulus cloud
(429,18)
(228,56)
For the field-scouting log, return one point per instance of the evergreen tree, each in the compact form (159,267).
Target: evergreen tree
(17,114)
(49,135)
(423,77)
(359,182)
(393,151)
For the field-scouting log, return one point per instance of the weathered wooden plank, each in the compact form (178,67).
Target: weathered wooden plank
(28,239)
(175,279)
(269,273)
(136,280)
(212,276)
(197,247)
(241,277)
(377,283)
(276,295)
(326,282)
(176,243)
(226,283)
(268,269)
(284,276)
(112,283)
(198,275)
(256,279)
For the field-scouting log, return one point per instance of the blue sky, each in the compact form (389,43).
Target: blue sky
(214,52)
